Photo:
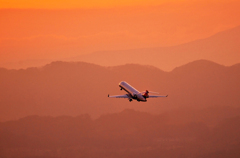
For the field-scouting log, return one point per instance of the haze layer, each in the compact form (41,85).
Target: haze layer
(45,32)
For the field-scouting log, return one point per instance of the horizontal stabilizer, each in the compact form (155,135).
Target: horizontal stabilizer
(119,96)
(157,96)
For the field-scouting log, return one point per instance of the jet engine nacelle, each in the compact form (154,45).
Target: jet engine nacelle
(135,96)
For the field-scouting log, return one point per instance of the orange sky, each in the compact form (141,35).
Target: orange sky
(41,32)
(69,4)
(78,4)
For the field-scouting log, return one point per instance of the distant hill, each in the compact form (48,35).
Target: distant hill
(125,133)
(62,88)
(222,48)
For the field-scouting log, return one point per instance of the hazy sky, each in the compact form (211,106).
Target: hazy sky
(63,4)
(59,29)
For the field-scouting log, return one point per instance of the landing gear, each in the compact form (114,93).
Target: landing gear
(130,100)
(121,89)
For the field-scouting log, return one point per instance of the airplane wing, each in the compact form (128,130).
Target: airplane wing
(157,96)
(119,96)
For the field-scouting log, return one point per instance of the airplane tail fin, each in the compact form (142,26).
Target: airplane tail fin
(145,94)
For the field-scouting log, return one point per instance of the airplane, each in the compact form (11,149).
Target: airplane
(134,94)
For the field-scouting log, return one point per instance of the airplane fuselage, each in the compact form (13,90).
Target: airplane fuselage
(132,92)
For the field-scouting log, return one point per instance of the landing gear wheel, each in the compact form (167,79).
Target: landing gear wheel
(130,100)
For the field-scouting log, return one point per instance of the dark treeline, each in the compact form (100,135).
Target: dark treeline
(212,132)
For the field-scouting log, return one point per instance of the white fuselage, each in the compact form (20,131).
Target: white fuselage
(135,94)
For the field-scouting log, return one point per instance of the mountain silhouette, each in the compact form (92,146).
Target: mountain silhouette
(63,88)
(222,48)
(128,132)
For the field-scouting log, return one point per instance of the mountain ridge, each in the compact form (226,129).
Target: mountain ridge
(83,63)
(63,88)
(194,132)
(222,48)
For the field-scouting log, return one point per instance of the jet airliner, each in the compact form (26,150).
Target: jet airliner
(134,94)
